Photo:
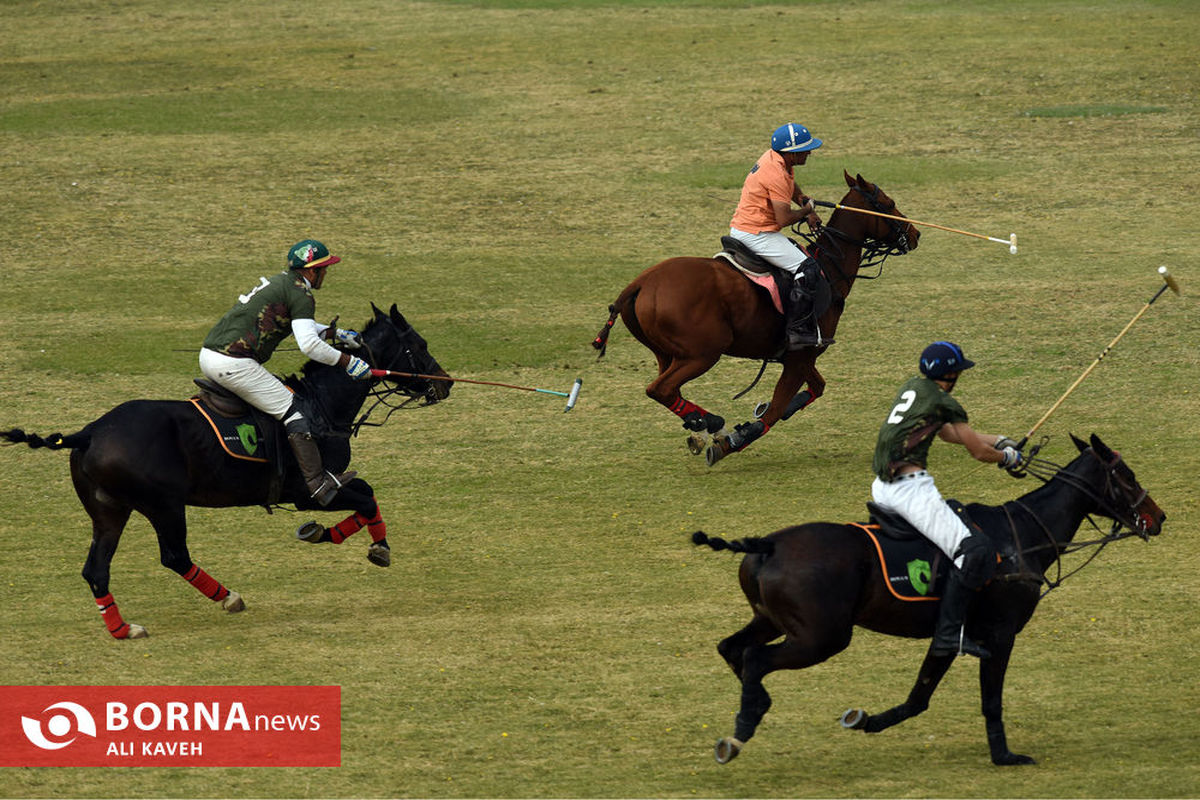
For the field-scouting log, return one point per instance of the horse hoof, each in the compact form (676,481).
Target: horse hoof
(854,719)
(727,749)
(310,532)
(137,632)
(233,603)
(1011,759)
(696,444)
(717,450)
(379,554)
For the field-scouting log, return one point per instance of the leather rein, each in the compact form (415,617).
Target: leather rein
(1124,524)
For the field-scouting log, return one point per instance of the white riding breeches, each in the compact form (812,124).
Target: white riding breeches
(774,247)
(248,379)
(918,500)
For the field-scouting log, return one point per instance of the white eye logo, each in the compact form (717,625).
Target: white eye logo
(59,725)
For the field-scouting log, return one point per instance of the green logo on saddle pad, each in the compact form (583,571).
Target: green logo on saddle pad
(249,436)
(920,575)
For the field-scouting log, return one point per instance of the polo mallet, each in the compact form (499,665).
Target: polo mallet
(1168,283)
(1011,241)
(572,396)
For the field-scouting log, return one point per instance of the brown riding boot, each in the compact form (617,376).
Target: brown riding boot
(322,484)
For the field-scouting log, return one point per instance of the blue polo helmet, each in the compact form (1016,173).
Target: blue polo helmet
(943,358)
(793,138)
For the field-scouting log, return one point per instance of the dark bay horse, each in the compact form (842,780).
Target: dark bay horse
(158,456)
(811,585)
(691,311)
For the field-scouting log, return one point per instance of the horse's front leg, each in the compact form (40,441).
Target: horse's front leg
(799,368)
(933,669)
(359,497)
(991,690)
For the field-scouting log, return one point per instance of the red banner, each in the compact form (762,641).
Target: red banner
(170,726)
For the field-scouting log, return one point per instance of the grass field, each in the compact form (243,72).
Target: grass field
(501,170)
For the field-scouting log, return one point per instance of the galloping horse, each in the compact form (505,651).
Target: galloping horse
(691,311)
(811,584)
(158,456)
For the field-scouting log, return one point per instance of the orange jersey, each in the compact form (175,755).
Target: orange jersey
(768,180)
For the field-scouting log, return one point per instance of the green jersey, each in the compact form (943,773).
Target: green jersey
(920,410)
(262,317)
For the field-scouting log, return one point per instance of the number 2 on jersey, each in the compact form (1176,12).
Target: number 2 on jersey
(906,401)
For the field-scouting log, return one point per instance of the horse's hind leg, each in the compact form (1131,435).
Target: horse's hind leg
(107,524)
(759,631)
(673,373)
(758,662)
(170,524)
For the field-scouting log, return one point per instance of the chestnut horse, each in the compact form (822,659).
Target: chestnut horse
(691,311)
(811,584)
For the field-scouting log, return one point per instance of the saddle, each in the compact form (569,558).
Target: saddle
(777,282)
(914,567)
(244,432)
(807,298)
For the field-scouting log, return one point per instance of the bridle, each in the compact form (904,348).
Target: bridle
(405,359)
(873,251)
(1119,500)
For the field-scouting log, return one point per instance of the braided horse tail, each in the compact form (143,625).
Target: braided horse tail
(624,301)
(55,441)
(752,544)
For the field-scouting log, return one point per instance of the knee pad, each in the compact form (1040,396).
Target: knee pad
(294,421)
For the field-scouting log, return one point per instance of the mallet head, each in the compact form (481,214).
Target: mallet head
(1012,243)
(1170,279)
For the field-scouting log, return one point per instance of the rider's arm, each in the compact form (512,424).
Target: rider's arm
(308,337)
(981,446)
(786,216)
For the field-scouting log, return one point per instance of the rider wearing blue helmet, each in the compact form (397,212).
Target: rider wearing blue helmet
(765,209)
(922,409)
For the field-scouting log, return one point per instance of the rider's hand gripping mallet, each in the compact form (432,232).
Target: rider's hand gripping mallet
(1011,241)
(572,396)
(1169,282)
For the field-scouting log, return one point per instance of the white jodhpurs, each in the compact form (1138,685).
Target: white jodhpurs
(774,247)
(917,499)
(249,380)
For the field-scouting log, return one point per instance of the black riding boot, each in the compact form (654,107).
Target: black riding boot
(323,485)
(949,637)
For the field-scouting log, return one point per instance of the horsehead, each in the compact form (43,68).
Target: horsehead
(811,584)
(157,457)
(691,311)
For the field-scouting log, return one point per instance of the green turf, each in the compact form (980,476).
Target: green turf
(501,171)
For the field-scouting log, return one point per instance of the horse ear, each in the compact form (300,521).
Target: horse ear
(1104,451)
(849,180)
(1079,443)
(398,318)
(863,182)
(375,312)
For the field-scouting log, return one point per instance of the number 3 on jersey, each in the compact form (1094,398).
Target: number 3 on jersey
(906,401)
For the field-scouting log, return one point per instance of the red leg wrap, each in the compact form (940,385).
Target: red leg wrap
(117,626)
(376,526)
(682,408)
(347,527)
(205,584)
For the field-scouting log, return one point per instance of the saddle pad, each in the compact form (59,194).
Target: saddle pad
(765,280)
(913,568)
(239,437)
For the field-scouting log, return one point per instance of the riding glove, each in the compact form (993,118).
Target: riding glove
(358,369)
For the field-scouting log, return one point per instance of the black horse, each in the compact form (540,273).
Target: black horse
(158,456)
(811,584)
